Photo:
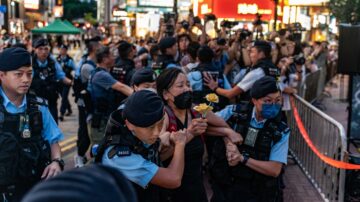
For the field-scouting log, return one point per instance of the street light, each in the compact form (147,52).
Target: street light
(12,3)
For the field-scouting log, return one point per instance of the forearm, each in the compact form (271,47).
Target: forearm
(55,151)
(214,120)
(176,166)
(124,89)
(229,93)
(268,168)
(217,131)
(67,81)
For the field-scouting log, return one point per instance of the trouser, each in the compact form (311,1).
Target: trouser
(53,109)
(96,134)
(65,104)
(83,141)
(245,191)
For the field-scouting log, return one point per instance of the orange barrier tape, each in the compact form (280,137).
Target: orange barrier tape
(327,160)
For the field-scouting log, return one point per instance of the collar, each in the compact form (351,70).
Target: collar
(254,121)
(42,64)
(9,105)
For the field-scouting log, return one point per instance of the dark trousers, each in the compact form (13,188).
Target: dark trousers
(83,141)
(65,104)
(53,109)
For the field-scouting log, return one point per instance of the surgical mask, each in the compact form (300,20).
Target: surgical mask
(184,100)
(270,111)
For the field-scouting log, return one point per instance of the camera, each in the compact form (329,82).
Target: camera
(244,34)
(168,16)
(185,24)
(209,17)
(299,59)
(228,24)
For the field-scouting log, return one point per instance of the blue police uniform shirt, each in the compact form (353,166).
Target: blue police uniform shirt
(78,67)
(70,63)
(279,151)
(134,167)
(50,132)
(59,74)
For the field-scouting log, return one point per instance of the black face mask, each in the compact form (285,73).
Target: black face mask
(184,100)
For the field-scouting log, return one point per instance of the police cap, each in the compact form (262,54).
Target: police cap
(40,42)
(144,108)
(263,87)
(64,46)
(88,184)
(14,58)
(142,76)
(166,42)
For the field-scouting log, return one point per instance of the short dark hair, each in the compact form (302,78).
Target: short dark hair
(165,81)
(92,46)
(263,46)
(205,54)
(193,49)
(102,53)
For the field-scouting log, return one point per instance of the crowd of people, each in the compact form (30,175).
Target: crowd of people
(136,102)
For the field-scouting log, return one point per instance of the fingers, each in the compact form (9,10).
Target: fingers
(45,172)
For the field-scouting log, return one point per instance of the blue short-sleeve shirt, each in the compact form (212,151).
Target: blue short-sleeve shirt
(60,74)
(134,167)
(101,84)
(50,132)
(279,151)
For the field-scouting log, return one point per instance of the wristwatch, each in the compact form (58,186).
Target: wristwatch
(60,162)
(246,157)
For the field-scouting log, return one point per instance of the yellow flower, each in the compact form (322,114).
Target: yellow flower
(203,109)
(212,97)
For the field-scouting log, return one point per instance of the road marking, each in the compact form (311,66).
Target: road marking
(69,147)
(67,141)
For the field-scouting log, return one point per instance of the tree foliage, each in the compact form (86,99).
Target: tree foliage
(342,9)
(74,9)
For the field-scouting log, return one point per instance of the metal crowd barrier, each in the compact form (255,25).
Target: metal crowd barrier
(329,137)
(309,86)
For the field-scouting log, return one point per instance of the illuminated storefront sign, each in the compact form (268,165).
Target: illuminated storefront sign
(156,3)
(252,9)
(238,9)
(31,4)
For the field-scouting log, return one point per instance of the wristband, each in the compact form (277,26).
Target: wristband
(215,89)
(60,162)
(245,158)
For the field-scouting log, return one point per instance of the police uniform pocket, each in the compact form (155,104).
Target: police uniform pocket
(9,158)
(29,159)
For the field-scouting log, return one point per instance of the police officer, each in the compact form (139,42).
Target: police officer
(132,143)
(144,79)
(68,65)
(169,51)
(124,67)
(101,87)
(206,55)
(260,56)
(83,100)
(47,74)
(255,166)
(29,136)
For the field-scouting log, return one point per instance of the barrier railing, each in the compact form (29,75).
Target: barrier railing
(309,87)
(329,137)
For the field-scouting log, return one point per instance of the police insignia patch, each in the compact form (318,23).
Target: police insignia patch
(123,151)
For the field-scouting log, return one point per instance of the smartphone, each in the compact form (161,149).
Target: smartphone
(213,74)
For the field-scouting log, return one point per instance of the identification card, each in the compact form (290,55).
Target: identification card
(251,137)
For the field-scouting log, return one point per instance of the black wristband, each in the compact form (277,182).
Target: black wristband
(215,89)
(245,158)
(60,162)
